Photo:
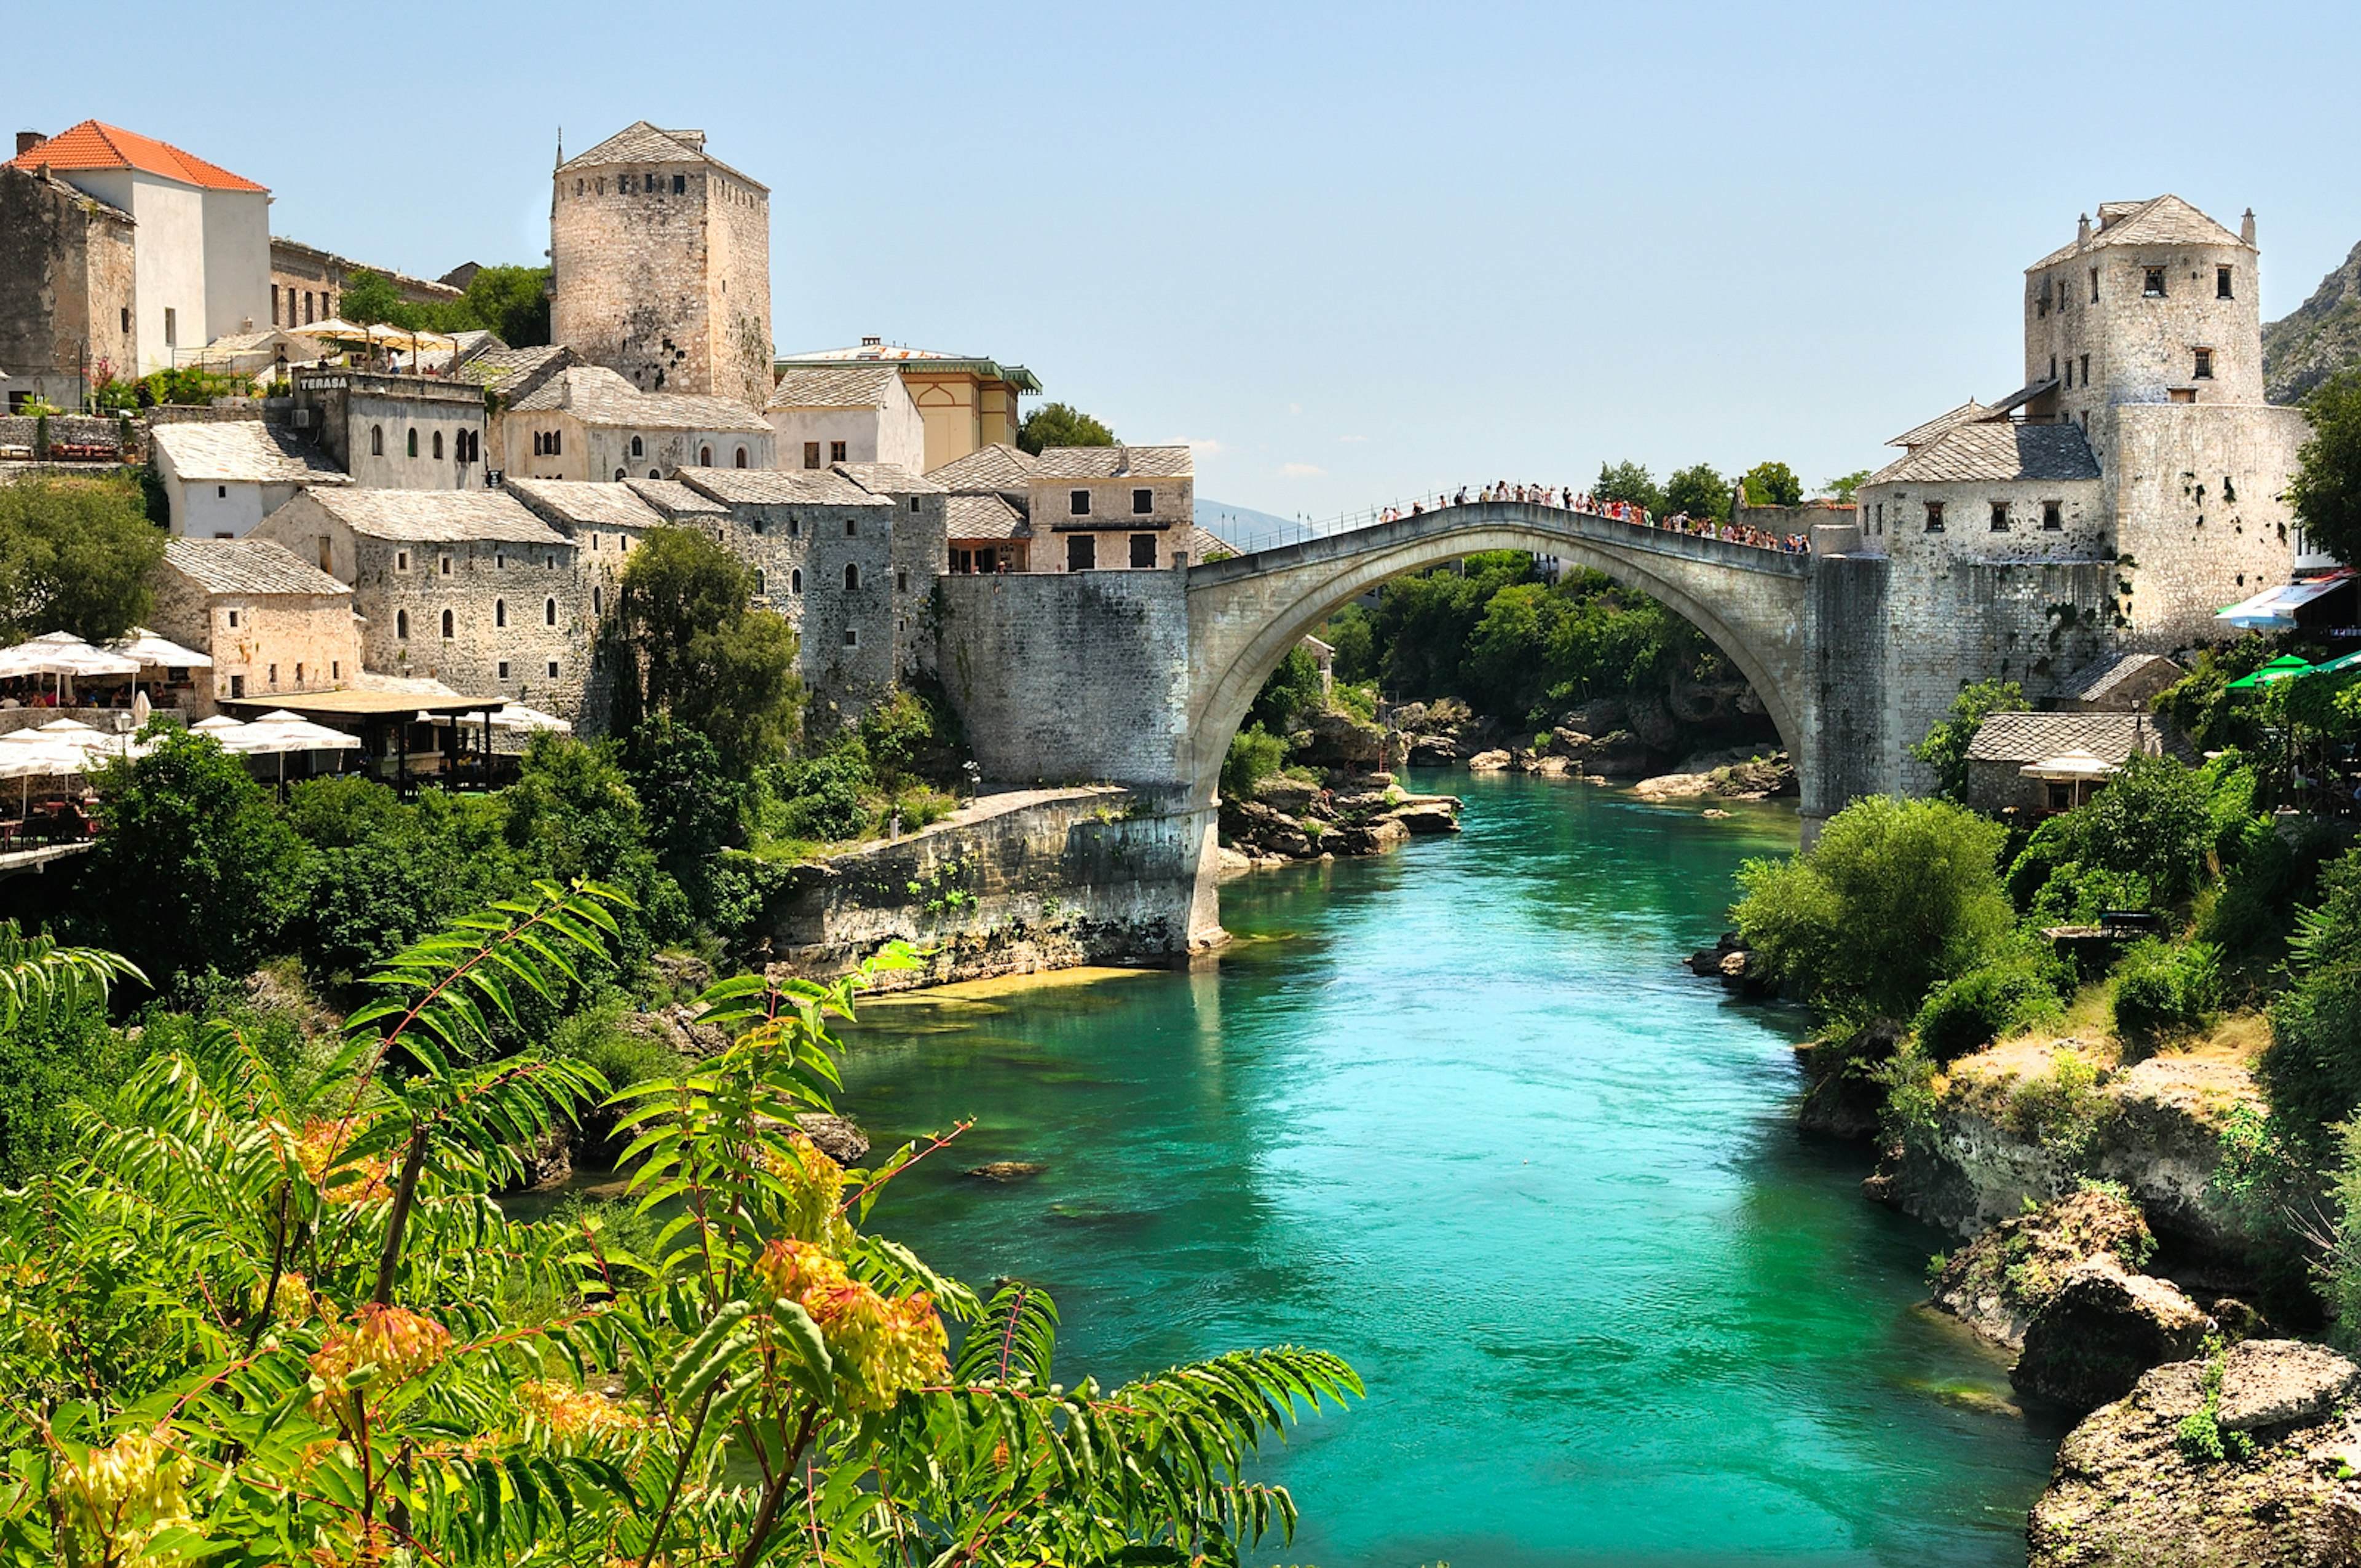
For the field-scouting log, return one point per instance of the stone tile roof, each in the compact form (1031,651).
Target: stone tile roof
(436,517)
(2097,683)
(835,387)
(1966,413)
(2004,450)
(245,451)
(998,466)
(585,504)
(92,145)
(596,395)
(641,142)
(889,479)
(674,499)
(517,372)
(246,566)
(985,517)
(1203,541)
(780,486)
(1116,463)
(2160,220)
(2023,738)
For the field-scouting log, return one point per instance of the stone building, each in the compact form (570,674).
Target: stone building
(1114,507)
(306,282)
(965,401)
(119,250)
(220,477)
(468,587)
(661,265)
(508,374)
(2112,503)
(394,432)
(847,413)
(606,521)
(2005,744)
(588,423)
(269,621)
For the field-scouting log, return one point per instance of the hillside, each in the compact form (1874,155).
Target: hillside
(2319,338)
(1239,526)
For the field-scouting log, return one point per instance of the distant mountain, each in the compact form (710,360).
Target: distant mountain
(2321,337)
(1237,525)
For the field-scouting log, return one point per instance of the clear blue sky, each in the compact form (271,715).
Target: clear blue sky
(1351,251)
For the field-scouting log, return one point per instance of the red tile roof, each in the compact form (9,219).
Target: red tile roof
(90,145)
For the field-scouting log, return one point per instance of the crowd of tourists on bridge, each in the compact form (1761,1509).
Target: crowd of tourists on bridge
(1567,498)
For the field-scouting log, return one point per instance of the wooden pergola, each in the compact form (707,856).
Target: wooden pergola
(386,723)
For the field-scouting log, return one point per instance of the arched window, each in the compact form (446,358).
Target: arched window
(500,613)
(401,624)
(654,475)
(796,580)
(705,458)
(549,612)
(540,446)
(448,631)
(413,441)
(639,448)
(760,582)
(377,441)
(741,458)
(619,475)
(438,444)
(852,576)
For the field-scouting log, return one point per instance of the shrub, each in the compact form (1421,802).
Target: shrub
(2062,1109)
(2312,1068)
(1945,748)
(1986,1004)
(2161,988)
(820,797)
(1254,754)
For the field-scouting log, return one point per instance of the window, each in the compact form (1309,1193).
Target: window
(2152,282)
(221,493)
(401,560)
(2182,395)
(796,580)
(2000,516)
(1142,502)
(327,553)
(413,441)
(1142,550)
(851,528)
(2086,370)
(1934,517)
(273,677)
(739,461)
(553,669)
(171,327)
(1078,503)
(836,451)
(500,559)
(127,318)
(438,444)
(902,581)
(237,686)
(274,304)
(1081,551)
(449,626)
(597,602)
(851,637)
(654,475)
(794,527)
(442,564)
(679,184)
(500,613)
(2094,285)
(233,620)
(2221,284)
(401,624)
(852,576)
(811,453)
(705,458)
(335,670)
(2205,371)
(762,582)
(2052,517)
(377,441)
(540,444)
(504,669)
(639,449)
(549,612)
(619,475)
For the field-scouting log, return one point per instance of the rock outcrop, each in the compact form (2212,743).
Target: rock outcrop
(2100,1330)
(835,1136)
(1292,818)
(2316,339)
(1998,1282)
(1742,777)
(2243,1460)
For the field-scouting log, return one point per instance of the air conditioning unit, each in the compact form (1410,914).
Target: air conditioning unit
(302,419)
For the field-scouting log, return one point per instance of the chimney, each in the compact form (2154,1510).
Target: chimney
(27,141)
(871,342)
(2246,229)
(2083,230)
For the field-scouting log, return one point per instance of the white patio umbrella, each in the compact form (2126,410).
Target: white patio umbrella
(280,732)
(516,716)
(27,759)
(62,654)
(155,653)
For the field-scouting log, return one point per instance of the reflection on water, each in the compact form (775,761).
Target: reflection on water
(1455,1114)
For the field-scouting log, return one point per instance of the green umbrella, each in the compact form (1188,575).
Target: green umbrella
(2279,669)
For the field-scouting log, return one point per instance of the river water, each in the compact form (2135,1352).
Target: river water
(1455,1114)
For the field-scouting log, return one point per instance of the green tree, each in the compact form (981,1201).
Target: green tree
(1895,896)
(1843,486)
(512,303)
(692,809)
(2326,490)
(1058,424)
(1352,631)
(369,298)
(1291,691)
(193,869)
(686,642)
(1945,748)
(55,1046)
(1700,491)
(1630,483)
(1773,485)
(75,556)
(2312,1068)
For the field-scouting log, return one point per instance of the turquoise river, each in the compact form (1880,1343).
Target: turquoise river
(1457,1115)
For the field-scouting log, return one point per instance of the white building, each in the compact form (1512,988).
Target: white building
(224,477)
(588,423)
(847,413)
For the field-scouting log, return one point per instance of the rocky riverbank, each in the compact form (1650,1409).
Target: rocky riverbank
(1290,819)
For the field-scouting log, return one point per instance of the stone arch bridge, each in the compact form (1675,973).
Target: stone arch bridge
(1141,678)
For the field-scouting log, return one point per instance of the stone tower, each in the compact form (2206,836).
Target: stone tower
(661,265)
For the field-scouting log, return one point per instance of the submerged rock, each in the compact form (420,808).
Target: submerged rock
(1997,1283)
(2100,1330)
(1005,1170)
(2258,1471)
(1488,762)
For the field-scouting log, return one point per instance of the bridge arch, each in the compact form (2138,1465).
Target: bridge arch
(1246,612)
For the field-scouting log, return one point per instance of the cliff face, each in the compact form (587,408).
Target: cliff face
(2319,338)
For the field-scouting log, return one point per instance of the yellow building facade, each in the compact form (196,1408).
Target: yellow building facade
(966,402)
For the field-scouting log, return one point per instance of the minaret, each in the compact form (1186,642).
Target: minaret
(2246,227)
